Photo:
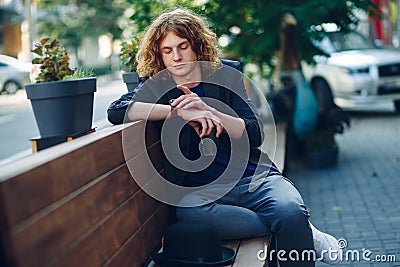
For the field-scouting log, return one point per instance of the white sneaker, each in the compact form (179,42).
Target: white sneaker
(326,247)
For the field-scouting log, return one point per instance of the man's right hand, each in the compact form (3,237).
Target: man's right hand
(202,121)
(198,114)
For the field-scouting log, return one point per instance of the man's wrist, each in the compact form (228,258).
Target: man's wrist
(174,112)
(214,111)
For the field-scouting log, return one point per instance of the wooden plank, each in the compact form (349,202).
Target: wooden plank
(58,225)
(136,139)
(143,242)
(35,236)
(16,168)
(61,172)
(279,158)
(6,253)
(100,242)
(48,229)
(146,165)
(60,177)
(34,146)
(247,253)
(275,144)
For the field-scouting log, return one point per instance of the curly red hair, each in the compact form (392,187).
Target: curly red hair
(184,23)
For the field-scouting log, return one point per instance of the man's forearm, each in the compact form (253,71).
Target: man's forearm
(155,112)
(148,111)
(232,125)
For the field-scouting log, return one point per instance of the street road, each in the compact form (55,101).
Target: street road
(18,126)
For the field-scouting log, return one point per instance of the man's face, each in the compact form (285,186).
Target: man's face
(176,53)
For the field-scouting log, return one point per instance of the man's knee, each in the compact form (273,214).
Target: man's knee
(288,203)
(192,213)
(290,214)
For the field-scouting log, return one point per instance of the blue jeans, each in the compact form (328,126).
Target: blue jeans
(275,207)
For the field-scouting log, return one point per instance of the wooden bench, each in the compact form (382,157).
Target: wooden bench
(76,204)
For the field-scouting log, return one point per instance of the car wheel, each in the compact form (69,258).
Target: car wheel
(397,105)
(324,96)
(11,87)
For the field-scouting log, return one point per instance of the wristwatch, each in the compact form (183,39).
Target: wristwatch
(174,111)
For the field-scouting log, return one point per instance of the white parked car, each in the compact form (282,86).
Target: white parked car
(14,74)
(358,72)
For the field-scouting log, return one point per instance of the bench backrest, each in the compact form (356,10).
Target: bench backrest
(76,204)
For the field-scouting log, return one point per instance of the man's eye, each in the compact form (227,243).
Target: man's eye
(167,51)
(184,46)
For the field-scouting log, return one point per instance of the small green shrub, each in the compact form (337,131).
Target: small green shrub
(80,72)
(53,59)
(129,50)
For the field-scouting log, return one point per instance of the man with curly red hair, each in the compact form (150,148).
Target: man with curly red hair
(261,201)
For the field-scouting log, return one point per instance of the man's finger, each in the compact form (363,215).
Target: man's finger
(184,89)
(220,129)
(210,126)
(175,102)
(183,103)
(203,128)
(190,104)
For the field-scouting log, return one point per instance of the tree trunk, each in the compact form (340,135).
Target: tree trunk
(289,39)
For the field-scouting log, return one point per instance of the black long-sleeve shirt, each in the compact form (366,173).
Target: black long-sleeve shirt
(225,91)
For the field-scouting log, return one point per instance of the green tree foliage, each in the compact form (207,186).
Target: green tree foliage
(74,20)
(260,21)
(144,11)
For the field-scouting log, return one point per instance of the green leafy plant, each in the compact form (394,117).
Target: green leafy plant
(80,72)
(53,60)
(129,50)
(334,121)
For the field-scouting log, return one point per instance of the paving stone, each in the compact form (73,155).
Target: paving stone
(359,199)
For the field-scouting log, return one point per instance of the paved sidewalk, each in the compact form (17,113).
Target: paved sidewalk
(359,199)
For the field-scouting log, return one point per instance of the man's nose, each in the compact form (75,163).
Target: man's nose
(177,55)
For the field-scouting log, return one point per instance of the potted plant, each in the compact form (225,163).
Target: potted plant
(128,57)
(321,147)
(61,98)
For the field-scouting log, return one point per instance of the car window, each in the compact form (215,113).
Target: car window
(349,41)
(340,41)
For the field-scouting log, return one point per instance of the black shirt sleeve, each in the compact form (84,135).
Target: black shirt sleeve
(233,93)
(117,109)
(246,110)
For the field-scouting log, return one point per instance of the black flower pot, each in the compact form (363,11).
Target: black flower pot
(63,108)
(323,158)
(131,79)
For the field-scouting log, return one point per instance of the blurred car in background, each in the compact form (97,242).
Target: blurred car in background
(358,72)
(14,74)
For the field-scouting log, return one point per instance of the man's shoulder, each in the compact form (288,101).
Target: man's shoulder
(232,63)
